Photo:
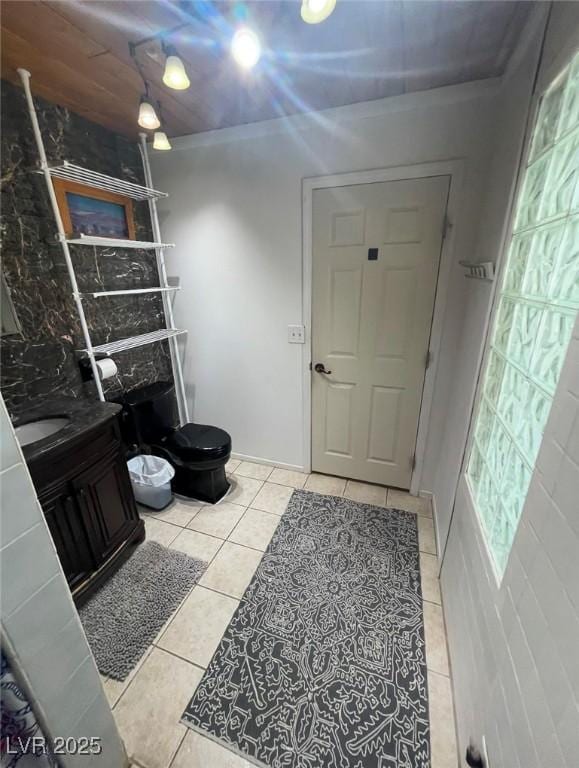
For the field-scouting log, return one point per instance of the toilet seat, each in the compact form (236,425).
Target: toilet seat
(199,443)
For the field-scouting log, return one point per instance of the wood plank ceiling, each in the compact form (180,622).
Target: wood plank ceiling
(78,54)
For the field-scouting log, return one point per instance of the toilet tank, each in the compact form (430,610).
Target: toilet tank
(151,411)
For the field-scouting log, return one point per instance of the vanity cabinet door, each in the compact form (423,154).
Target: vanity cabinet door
(84,489)
(69,531)
(106,497)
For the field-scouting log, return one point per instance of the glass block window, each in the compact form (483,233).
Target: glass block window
(533,321)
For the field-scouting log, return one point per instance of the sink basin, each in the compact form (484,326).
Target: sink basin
(38,430)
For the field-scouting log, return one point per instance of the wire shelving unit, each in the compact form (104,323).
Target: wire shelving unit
(112,242)
(101,181)
(129,292)
(138,192)
(113,347)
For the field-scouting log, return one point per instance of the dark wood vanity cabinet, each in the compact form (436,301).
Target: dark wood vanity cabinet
(69,533)
(84,489)
(105,496)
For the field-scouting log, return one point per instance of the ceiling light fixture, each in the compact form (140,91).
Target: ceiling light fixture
(246,48)
(314,11)
(174,75)
(160,141)
(147,116)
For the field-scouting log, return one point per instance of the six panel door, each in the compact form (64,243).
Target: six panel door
(376,253)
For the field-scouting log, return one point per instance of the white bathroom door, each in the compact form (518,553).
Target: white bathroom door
(376,252)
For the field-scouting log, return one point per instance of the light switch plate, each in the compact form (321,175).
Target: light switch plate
(296,334)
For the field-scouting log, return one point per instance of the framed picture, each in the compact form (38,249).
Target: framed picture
(90,211)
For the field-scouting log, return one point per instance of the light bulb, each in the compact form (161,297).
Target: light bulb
(314,11)
(160,141)
(147,116)
(175,75)
(246,48)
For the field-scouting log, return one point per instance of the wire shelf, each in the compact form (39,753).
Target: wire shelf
(102,181)
(111,242)
(113,347)
(130,292)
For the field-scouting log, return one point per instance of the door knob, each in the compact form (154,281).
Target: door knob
(320,368)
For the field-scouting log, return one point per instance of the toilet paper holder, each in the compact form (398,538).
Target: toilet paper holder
(86,368)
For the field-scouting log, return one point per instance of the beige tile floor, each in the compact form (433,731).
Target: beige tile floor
(231,537)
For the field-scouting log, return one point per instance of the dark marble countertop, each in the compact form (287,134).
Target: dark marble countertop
(83,416)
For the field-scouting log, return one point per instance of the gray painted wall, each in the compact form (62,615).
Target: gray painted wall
(511,106)
(514,647)
(235,214)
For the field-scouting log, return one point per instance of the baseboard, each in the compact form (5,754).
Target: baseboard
(269,462)
(432,497)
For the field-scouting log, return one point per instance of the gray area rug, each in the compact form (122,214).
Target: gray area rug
(323,664)
(124,616)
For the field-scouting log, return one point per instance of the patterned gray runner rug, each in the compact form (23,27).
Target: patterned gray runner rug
(125,615)
(323,664)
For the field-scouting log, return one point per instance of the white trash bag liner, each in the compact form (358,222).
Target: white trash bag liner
(150,470)
(151,480)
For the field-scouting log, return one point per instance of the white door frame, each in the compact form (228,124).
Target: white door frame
(452,168)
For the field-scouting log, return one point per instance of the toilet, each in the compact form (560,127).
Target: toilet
(198,452)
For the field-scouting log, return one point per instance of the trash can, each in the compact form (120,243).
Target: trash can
(151,480)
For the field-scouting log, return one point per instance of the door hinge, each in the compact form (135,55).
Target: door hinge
(413,462)
(427,359)
(446,226)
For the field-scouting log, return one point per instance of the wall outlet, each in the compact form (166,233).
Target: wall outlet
(296,334)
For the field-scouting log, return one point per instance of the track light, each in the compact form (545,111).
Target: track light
(175,75)
(314,11)
(160,141)
(246,48)
(147,116)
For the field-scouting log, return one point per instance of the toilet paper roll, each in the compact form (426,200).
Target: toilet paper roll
(107,368)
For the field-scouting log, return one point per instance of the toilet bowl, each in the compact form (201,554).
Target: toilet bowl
(198,452)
